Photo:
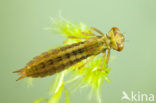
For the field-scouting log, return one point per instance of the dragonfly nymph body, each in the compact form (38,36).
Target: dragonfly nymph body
(61,58)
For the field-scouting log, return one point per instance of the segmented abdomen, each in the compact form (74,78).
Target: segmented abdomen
(58,59)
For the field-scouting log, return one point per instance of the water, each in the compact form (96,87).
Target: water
(23,36)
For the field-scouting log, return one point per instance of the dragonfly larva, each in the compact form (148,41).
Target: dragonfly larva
(61,58)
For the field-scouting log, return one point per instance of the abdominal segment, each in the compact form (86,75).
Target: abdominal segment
(59,59)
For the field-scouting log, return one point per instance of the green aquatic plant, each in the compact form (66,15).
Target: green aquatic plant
(89,76)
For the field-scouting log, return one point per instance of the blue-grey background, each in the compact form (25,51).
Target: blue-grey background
(22,36)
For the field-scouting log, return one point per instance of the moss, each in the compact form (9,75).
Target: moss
(89,76)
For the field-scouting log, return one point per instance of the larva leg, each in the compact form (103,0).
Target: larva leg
(90,59)
(108,55)
(98,31)
(88,34)
(103,59)
(73,37)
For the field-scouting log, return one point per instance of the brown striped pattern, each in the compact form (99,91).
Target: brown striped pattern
(64,57)
(61,58)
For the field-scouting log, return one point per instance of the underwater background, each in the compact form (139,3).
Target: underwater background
(23,35)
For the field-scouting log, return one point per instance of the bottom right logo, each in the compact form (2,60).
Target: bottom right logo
(137,96)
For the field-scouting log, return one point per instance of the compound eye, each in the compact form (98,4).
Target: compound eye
(115,30)
(120,47)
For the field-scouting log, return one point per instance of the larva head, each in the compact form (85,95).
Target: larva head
(116,39)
